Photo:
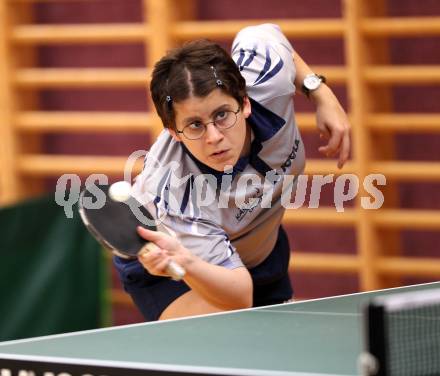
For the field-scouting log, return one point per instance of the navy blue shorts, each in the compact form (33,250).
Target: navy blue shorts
(152,294)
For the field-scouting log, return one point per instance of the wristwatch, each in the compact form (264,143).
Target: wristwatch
(312,82)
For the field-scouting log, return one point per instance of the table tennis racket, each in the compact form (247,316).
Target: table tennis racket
(114,225)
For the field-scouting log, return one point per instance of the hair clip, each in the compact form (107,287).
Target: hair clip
(217,81)
(169,101)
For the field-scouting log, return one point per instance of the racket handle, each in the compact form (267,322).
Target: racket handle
(176,271)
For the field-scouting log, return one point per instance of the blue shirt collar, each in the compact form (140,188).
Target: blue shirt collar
(264,122)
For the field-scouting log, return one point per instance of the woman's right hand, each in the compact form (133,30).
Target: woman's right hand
(167,248)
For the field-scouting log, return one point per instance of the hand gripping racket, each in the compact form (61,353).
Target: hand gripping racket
(114,225)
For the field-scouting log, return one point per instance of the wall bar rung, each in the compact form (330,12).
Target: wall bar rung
(82,77)
(56,165)
(68,34)
(404,122)
(409,219)
(403,75)
(401,26)
(411,266)
(85,122)
(408,171)
(310,28)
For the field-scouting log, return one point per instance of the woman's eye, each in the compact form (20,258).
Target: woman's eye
(195,125)
(221,115)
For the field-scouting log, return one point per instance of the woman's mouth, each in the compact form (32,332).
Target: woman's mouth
(219,154)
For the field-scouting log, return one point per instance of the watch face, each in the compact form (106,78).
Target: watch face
(312,82)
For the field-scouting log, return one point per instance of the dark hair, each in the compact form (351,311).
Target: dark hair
(195,69)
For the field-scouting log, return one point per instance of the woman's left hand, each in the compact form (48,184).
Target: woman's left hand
(333,125)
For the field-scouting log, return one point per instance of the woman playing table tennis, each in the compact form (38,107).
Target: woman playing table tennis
(216,174)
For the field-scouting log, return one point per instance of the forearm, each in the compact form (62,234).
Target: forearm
(225,288)
(323,93)
(331,119)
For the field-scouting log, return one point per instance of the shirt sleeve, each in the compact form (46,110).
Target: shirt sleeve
(201,236)
(265,59)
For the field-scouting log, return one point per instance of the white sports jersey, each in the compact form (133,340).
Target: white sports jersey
(186,194)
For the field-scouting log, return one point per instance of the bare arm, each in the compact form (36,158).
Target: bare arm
(332,122)
(223,288)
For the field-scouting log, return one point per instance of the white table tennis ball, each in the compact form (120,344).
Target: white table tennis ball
(120,191)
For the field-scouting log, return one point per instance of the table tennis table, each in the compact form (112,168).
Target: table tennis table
(314,337)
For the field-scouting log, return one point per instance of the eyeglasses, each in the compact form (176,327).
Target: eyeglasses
(223,119)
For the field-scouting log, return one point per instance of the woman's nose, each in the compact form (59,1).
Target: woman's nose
(213,135)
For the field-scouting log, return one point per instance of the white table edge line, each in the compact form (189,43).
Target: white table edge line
(309,313)
(156,366)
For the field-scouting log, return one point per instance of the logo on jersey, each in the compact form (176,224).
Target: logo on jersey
(272,65)
(288,162)
(254,198)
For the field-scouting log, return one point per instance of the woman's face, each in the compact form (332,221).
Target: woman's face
(216,148)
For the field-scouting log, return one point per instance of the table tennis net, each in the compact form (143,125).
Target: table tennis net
(404,334)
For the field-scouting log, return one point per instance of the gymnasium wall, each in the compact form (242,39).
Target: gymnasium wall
(422,98)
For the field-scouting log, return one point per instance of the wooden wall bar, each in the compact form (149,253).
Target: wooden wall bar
(167,22)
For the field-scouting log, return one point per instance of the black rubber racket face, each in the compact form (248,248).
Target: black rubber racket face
(114,225)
